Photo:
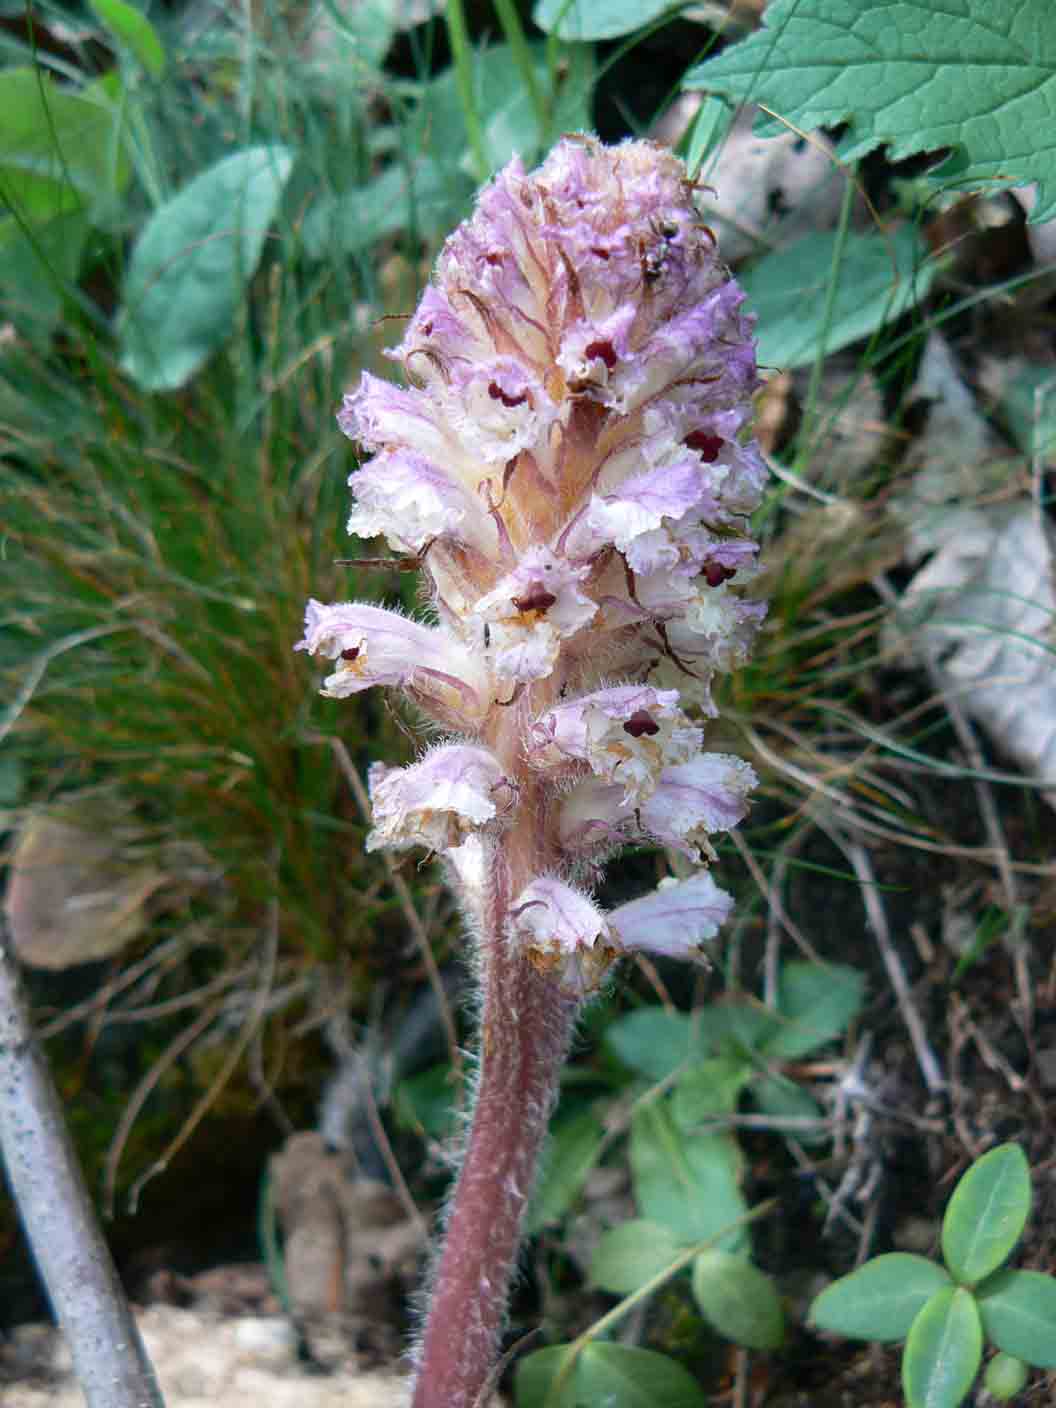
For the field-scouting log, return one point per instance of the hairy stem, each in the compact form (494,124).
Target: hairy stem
(526,1026)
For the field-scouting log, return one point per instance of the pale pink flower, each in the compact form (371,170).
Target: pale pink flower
(562,933)
(676,919)
(453,792)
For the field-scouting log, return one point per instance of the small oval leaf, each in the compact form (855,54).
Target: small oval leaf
(651,1041)
(573,1152)
(738,1300)
(816,1003)
(986,1215)
(616,1375)
(631,1254)
(1005,1376)
(943,1351)
(881,1299)
(1019,1315)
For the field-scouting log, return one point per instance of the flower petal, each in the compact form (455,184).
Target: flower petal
(675,919)
(562,933)
(454,791)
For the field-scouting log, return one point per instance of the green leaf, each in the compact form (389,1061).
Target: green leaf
(422,197)
(192,262)
(708,1088)
(1019,1315)
(737,1028)
(631,1254)
(597,19)
(132,29)
(573,1152)
(651,1041)
(36,266)
(1004,1376)
(689,1183)
(705,133)
(910,75)
(878,278)
(784,1099)
(738,1300)
(425,1103)
(816,1002)
(1029,407)
(987,1213)
(60,151)
(512,129)
(881,1300)
(616,1375)
(943,1351)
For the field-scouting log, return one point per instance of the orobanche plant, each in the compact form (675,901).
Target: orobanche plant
(569,464)
(944,1312)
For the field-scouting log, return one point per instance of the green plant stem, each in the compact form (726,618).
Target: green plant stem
(74,1261)
(615,1315)
(462,60)
(514,32)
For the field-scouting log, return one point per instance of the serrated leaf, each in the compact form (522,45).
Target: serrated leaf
(1019,1315)
(738,1300)
(986,1215)
(131,28)
(881,1300)
(911,76)
(60,151)
(191,264)
(816,1003)
(708,1088)
(652,1042)
(596,19)
(631,1254)
(878,278)
(689,1183)
(616,1375)
(943,1351)
(573,1152)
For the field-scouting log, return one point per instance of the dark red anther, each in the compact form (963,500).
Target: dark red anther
(603,350)
(707,446)
(641,724)
(496,393)
(351,653)
(538,599)
(715,574)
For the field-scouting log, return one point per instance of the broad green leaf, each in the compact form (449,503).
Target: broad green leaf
(708,1088)
(631,1254)
(573,1152)
(616,1375)
(597,19)
(738,1300)
(60,150)
(422,197)
(1019,1315)
(191,264)
(36,265)
(784,1099)
(131,28)
(987,1213)
(816,1003)
(651,1041)
(943,1351)
(878,278)
(1004,1376)
(910,75)
(689,1183)
(881,1300)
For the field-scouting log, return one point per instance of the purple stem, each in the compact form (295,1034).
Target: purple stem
(526,1026)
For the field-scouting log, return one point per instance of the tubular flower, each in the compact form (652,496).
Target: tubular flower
(569,459)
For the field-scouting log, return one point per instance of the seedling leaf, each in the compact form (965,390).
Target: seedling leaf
(652,1041)
(618,1375)
(986,1215)
(631,1254)
(817,1002)
(881,1300)
(1019,1315)
(943,1351)
(738,1300)
(689,1183)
